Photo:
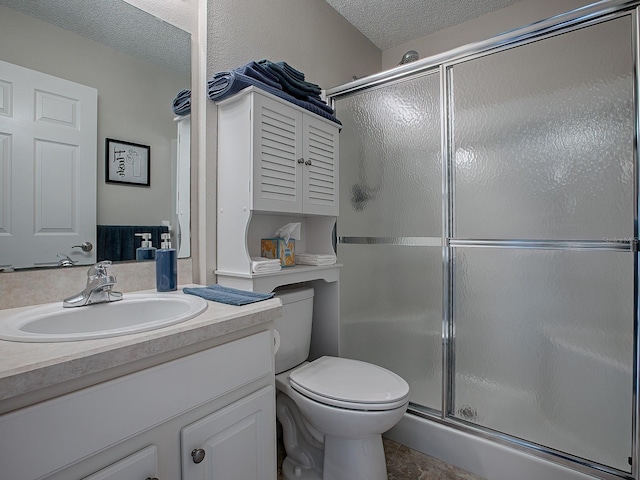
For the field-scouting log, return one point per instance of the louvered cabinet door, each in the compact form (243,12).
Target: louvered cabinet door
(277,147)
(320,167)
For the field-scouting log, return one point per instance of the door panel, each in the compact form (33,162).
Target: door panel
(277,147)
(543,138)
(543,149)
(320,151)
(237,442)
(48,162)
(390,229)
(544,347)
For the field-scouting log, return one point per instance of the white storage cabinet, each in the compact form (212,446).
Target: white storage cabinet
(278,163)
(274,156)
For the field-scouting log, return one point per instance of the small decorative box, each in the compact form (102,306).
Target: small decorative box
(276,248)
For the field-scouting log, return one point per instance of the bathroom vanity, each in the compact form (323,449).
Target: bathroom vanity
(194,401)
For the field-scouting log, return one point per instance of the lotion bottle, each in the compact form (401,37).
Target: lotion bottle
(146,251)
(166,265)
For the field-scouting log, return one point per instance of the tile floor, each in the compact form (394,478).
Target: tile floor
(404,463)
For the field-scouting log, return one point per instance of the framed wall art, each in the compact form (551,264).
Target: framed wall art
(127,162)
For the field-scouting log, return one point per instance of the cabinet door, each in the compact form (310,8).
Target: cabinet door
(320,170)
(139,466)
(235,443)
(277,147)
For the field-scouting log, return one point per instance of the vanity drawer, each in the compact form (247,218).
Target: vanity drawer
(46,437)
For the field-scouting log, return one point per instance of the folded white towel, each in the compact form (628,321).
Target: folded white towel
(262,264)
(315,259)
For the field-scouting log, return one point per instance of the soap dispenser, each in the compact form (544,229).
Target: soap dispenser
(146,251)
(166,265)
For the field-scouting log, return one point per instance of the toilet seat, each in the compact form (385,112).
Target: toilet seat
(350,384)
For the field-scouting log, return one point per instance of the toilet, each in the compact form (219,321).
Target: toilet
(333,411)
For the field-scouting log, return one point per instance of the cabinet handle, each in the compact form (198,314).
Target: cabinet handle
(308,162)
(151,478)
(197,454)
(301,160)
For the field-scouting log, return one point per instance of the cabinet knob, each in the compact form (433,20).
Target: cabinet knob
(308,162)
(197,454)
(301,160)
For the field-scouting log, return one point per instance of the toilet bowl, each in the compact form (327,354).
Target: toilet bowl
(333,411)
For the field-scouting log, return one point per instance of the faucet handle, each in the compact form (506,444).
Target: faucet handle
(99,269)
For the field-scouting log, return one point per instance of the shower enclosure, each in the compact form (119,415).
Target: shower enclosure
(488,232)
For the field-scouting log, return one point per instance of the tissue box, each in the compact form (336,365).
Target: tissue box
(276,248)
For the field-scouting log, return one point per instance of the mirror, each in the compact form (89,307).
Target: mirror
(137,64)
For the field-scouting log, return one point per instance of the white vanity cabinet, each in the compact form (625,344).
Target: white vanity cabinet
(274,156)
(142,465)
(231,442)
(121,428)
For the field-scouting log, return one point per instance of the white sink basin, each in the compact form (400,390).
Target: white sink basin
(136,312)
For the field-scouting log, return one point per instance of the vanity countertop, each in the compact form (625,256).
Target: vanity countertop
(31,372)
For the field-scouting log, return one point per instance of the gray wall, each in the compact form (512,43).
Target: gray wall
(134,104)
(308,34)
(481,28)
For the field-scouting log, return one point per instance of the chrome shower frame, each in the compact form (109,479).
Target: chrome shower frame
(441,65)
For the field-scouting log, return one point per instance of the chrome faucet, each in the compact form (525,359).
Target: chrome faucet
(65,261)
(98,289)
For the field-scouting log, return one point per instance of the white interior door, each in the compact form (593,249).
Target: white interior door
(48,162)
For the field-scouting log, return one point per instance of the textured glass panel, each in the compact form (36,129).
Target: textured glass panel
(543,138)
(544,347)
(391,313)
(390,160)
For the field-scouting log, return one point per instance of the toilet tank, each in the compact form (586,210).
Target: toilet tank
(294,327)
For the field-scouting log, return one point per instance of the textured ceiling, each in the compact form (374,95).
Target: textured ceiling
(386,23)
(389,23)
(116,24)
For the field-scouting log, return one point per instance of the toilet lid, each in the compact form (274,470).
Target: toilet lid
(350,384)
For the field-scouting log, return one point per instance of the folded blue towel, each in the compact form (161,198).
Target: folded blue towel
(182,103)
(293,86)
(260,73)
(226,84)
(291,71)
(230,296)
(320,104)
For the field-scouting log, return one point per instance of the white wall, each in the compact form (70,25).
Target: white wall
(481,28)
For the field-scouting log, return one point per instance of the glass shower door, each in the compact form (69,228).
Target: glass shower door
(542,262)
(390,232)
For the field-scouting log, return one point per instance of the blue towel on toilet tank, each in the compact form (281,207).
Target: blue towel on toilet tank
(230,296)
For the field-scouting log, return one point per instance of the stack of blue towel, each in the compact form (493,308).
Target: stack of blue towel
(182,103)
(277,78)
